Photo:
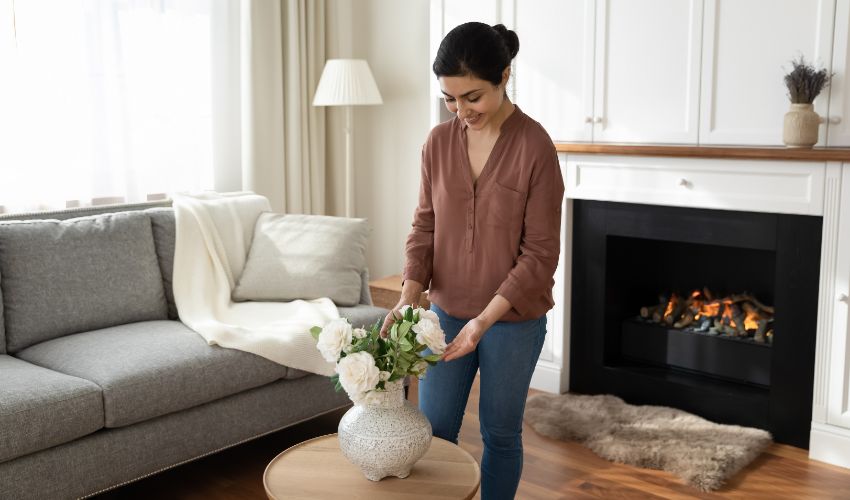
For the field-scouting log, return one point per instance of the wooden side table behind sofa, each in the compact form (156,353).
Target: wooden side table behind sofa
(386,292)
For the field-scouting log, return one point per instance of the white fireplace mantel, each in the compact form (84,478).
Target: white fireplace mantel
(771,186)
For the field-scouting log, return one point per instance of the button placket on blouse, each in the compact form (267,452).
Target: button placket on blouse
(470,221)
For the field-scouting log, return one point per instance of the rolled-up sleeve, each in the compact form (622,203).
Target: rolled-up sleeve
(535,266)
(419,249)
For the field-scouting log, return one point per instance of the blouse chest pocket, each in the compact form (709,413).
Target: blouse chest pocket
(504,206)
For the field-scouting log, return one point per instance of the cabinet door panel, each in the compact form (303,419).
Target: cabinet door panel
(839,90)
(457,12)
(647,71)
(838,411)
(747,49)
(553,72)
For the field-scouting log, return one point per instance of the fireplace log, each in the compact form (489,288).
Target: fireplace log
(747,297)
(678,306)
(687,319)
(658,314)
(762,329)
(739,317)
(648,311)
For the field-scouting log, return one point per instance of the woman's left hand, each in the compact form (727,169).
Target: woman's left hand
(466,341)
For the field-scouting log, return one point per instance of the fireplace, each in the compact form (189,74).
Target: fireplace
(763,264)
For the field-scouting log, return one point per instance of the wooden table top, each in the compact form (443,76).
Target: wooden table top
(317,469)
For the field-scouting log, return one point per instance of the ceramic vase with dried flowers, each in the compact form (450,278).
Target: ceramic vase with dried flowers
(804,83)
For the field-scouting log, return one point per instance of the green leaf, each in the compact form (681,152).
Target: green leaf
(337,384)
(404,329)
(405,344)
(432,358)
(394,333)
(315,331)
(396,376)
(408,315)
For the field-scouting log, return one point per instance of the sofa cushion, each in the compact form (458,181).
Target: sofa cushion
(363,316)
(2,322)
(163,224)
(151,368)
(297,256)
(63,277)
(40,408)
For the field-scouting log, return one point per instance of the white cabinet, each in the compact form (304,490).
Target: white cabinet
(838,131)
(746,51)
(610,70)
(706,72)
(553,73)
(838,404)
(647,57)
(830,436)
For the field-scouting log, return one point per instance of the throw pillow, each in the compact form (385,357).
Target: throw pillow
(304,257)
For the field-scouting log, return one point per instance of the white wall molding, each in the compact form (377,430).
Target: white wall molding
(830,444)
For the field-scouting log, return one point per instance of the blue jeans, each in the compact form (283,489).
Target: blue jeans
(506,357)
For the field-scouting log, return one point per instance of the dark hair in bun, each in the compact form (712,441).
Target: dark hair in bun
(478,49)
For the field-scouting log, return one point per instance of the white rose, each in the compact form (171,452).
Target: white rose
(384,376)
(430,334)
(404,310)
(429,315)
(359,333)
(335,336)
(358,373)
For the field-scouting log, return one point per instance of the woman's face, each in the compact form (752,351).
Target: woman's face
(473,100)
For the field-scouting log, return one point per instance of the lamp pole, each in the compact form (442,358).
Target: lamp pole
(349,170)
(346,82)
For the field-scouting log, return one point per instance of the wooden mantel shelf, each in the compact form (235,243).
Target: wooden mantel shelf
(719,152)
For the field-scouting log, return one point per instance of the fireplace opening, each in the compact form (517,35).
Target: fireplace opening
(710,311)
(691,325)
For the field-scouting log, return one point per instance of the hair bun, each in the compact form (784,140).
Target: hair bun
(510,38)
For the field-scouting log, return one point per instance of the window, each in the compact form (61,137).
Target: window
(105,101)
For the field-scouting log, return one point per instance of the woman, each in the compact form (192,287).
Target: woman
(485,238)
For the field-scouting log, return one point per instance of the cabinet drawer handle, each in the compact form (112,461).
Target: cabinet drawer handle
(844,298)
(588,119)
(684,183)
(598,119)
(834,120)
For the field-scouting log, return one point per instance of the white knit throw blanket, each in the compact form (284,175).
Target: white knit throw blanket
(214,233)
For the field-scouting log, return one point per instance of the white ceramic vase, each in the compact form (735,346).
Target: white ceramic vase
(800,128)
(384,435)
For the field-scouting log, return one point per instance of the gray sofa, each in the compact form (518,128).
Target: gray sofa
(100,383)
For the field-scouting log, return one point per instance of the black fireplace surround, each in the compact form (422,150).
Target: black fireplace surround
(624,255)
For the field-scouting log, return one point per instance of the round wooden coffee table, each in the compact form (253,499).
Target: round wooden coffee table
(317,469)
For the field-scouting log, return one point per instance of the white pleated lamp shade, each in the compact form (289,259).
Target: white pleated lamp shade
(346,82)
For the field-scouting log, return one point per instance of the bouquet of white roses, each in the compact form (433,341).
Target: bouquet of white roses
(366,363)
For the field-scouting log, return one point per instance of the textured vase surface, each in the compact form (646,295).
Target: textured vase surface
(801,126)
(385,435)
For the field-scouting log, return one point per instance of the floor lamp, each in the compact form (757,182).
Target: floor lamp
(347,82)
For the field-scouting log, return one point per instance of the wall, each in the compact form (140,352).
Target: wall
(393,37)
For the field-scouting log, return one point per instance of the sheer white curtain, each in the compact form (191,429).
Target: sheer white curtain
(116,101)
(109,101)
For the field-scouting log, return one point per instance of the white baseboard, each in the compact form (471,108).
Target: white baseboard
(548,378)
(830,444)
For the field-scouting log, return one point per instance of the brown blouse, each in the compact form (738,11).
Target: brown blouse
(498,235)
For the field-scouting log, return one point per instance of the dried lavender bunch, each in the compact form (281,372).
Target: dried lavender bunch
(804,82)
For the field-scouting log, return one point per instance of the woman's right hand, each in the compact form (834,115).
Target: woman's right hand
(410,293)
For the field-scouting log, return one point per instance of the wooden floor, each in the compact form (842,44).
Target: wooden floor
(553,469)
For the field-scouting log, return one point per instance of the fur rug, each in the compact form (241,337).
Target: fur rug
(703,453)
